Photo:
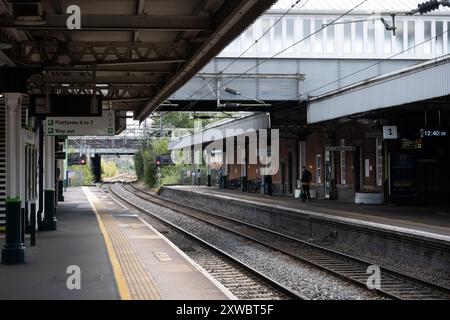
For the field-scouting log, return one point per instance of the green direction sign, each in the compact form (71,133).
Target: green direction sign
(82,126)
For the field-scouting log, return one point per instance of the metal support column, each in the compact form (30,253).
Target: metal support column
(244,163)
(60,179)
(41,173)
(224,170)
(49,222)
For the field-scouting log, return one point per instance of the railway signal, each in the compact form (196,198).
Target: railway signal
(163,160)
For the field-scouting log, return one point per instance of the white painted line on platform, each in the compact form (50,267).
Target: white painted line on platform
(194,264)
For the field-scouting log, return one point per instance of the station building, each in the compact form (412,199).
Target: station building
(367,115)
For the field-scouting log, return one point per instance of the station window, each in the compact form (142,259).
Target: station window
(379,162)
(343,166)
(290,35)
(370,37)
(318,37)
(347,36)
(265,41)
(427,36)
(319,169)
(249,39)
(399,37)
(387,41)
(411,36)
(448,36)
(330,37)
(439,37)
(278,36)
(235,46)
(359,32)
(306,35)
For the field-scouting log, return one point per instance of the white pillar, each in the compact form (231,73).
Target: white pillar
(13,145)
(49,163)
(302,155)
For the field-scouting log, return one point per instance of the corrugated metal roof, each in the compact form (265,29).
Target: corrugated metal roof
(421,82)
(233,128)
(377,6)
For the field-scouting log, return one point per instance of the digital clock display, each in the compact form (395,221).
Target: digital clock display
(426,133)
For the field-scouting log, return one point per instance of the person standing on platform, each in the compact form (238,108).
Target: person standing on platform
(306,184)
(199,176)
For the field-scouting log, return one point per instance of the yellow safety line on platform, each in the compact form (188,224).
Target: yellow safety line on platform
(139,283)
(124,292)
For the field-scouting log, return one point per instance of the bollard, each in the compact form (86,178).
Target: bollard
(225,182)
(244,186)
(33,224)
(22,225)
(13,251)
(49,222)
(61,191)
(27,219)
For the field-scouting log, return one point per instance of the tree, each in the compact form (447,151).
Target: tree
(109,169)
(181,120)
(139,165)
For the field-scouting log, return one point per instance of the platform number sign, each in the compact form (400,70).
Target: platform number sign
(390,132)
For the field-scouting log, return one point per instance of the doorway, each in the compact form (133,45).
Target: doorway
(357,165)
(290,174)
(330,181)
(428,182)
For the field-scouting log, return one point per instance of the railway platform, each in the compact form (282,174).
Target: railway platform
(78,241)
(117,255)
(433,222)
(417,238)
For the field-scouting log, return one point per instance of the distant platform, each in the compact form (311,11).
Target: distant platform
(432,222)
(411,237)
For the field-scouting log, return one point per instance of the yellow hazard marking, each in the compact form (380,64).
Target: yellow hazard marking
(124,291)
(139,283)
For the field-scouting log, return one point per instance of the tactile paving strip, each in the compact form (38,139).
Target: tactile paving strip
(140,284)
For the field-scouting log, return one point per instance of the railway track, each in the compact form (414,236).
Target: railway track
(242,280)
(394,285)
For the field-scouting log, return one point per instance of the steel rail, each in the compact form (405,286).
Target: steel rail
(271,282)
(398,283)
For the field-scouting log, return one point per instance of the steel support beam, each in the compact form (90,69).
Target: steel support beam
(102,53)
(6,60)
(102,22)
(117,80)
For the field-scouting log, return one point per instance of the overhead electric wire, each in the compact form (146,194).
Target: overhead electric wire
(280,52)
(253,44)
(361,70)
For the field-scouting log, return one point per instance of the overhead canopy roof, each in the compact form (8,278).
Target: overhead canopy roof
(135,52)
(371,6)
(425,81)
(227,129)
